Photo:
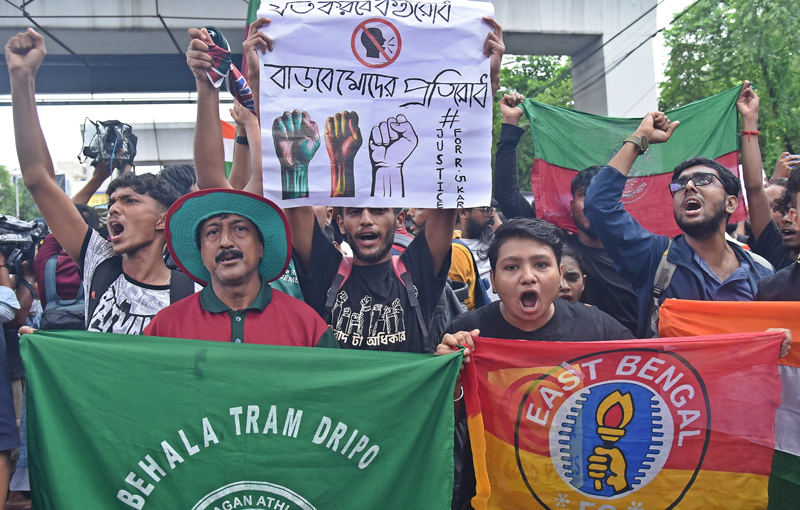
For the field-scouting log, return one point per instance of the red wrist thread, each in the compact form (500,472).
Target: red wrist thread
(748,133)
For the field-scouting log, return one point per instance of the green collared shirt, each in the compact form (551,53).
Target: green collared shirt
(211,303)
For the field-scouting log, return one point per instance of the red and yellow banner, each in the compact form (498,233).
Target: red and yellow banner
(621,425)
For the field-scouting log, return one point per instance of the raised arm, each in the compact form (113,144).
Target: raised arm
(209,154)
(301,225)
(102,171)
(505,186)
(439,234)
(250,153)
(757,200)
(256,41)
(24,54)
(240,170)
(656,127)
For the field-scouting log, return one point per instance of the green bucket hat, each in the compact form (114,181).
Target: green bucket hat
(191,210)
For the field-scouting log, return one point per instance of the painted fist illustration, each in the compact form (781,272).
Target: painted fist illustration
(608,462)
(342,139)
(296,140)
(390,145)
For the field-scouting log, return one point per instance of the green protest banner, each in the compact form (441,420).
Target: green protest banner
(120,422)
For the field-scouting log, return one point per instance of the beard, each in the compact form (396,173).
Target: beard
(371,258)
(475,229)
(706,228)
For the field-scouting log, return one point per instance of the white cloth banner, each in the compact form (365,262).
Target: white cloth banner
(376,104)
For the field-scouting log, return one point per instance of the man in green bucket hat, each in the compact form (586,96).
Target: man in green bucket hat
(235,243)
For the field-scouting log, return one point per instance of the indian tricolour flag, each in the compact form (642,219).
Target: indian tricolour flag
(228,143)
(566,142)
(680,317)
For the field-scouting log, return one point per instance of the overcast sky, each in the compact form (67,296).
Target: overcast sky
(61,124)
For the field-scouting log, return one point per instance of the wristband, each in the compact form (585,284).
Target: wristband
(241,140)
(642,142)
(748,133)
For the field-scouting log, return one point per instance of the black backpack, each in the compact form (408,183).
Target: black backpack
(107,272)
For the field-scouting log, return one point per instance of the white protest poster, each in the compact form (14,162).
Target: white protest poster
(376,104)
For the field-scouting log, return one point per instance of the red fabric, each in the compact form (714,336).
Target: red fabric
(68,278)
(646,198)
(285,321)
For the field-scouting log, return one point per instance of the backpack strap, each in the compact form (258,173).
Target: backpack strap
(51,292)
(661,281)
(343,273)
(481,286)
(105,274)
(180,286)
(401,272)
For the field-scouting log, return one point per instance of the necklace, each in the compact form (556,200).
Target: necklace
(168,279)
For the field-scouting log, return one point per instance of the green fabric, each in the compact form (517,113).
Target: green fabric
(252,11)
(327,340)
(577,140)
(288,283)
(99,404)
(784,482)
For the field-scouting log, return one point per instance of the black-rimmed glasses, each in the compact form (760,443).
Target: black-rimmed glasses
(698,180)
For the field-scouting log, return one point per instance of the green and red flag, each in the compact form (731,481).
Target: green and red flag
(683,317)
(122,421)
(623,425)
(567,141)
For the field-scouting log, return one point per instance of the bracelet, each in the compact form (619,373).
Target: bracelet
(462,395)
(242,140)
(748,133)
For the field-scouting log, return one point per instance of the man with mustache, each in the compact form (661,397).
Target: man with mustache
(235,243)
(705,194)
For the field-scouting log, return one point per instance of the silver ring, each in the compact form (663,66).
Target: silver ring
(462,395)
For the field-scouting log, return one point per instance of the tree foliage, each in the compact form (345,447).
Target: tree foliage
(527,75)
(718,44)
(8,200)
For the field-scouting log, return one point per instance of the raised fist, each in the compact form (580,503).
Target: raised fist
(296,140)
(657,127)
(608,462)
(25,52)
(342,140)
(390,145)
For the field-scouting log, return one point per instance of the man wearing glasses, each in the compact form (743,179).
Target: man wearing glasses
(704,195)
(473,230)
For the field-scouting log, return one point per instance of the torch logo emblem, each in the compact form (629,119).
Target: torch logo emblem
(608,463)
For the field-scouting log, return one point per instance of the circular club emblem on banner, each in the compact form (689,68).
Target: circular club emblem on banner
(253,496)
(635,188)
(616,430)
(376,43)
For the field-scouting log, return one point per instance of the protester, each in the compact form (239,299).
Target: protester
(766,239)
(525,257)
(574,275)
(464,269)
(235,243)
(786,162)
(785,284)
(182,177)
(705,266)
(9,434)
(138,280)
(604,288)
(417,217)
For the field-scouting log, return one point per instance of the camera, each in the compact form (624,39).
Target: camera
(19,239)
(108,140)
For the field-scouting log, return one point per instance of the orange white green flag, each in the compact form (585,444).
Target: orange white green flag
(623,425)
(228,144)
(683,317)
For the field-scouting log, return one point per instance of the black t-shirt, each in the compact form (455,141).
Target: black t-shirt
(782,286)
(770,246)
(372,310)
(605,288)
(571,322)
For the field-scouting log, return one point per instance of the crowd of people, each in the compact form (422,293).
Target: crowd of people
(191,253)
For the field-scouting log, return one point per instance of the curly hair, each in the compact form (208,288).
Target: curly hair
(158,188)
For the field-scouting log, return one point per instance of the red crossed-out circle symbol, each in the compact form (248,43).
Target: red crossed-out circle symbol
(376,43)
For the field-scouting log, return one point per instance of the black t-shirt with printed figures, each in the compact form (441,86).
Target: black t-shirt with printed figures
(372,310)
(571,322)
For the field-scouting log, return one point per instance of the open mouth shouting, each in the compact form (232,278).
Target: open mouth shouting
(115,229)
(788,233)
(368,238)
(528,301)
(692,206)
